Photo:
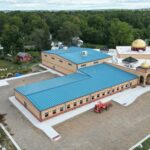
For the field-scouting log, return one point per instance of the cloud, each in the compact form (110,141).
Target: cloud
(72,4)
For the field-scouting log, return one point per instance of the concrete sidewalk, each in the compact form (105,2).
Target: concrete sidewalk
(4,82)
(51,70)
(127,97)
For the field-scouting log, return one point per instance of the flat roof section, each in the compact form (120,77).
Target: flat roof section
(88,80)
(50,84)
(74,54)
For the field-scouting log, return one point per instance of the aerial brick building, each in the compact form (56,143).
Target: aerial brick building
(88,77)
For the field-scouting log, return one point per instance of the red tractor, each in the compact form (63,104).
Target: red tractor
(99,107)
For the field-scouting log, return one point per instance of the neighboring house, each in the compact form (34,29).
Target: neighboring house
(1,47)
(24,57)
(29,47)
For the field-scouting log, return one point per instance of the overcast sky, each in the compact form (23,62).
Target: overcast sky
(72,4)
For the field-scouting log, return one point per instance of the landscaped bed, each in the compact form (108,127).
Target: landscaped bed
(9,69)
(145,145)
(5,141)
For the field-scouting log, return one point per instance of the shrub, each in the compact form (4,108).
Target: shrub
(25,70)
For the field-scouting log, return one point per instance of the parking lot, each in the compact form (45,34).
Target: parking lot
(117,129)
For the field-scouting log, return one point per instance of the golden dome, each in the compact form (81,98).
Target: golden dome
(145,65)
(139,44)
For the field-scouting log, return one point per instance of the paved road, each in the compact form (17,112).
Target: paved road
(117,129)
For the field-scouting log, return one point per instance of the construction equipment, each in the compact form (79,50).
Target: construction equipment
(99,107)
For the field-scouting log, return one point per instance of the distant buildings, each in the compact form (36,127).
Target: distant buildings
(138,50)
(24,57)
(1,47)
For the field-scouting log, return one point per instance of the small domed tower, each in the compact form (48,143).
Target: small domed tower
(138,45)
(144,71)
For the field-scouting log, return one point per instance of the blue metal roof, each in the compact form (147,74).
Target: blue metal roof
(74,54)
(50,84)
(53,92)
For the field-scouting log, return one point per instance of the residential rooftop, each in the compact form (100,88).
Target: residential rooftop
(49,93)
(74,54)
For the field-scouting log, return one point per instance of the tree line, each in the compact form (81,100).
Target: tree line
(107,28)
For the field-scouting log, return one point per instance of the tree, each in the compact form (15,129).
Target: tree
(138,33)
(41,39)
(120,33)
(68,31)
(12,39)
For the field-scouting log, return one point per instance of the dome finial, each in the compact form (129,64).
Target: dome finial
(138,44)
(145,64)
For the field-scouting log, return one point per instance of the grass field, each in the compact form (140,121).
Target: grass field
(145,144)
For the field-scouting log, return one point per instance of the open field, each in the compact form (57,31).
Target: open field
(117,129)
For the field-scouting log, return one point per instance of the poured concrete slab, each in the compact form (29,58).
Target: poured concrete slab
(3,83)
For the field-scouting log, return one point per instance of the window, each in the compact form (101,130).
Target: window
(25,104)
(126,85)
(130,84)
(103,93)
(60,61)
(61,109)
(108,92)
(113,90)
(87,99)
(53,58)
(45,55)
(83,65)
(68,106)
(92,97)
(97,95)
(81,101)
(46,114)
(54,111)
(69,64)
(121,87)
(117,88)
(75,104)
(95,62)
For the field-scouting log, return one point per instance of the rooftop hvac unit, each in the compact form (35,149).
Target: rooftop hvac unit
(84,53)
(65,47)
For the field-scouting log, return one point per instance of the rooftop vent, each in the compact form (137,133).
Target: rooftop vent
(65,47)
(84,53)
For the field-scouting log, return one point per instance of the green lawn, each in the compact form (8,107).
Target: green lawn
(5,141)
(146,145)
(13,68)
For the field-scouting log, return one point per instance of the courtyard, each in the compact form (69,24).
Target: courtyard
(117,129)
